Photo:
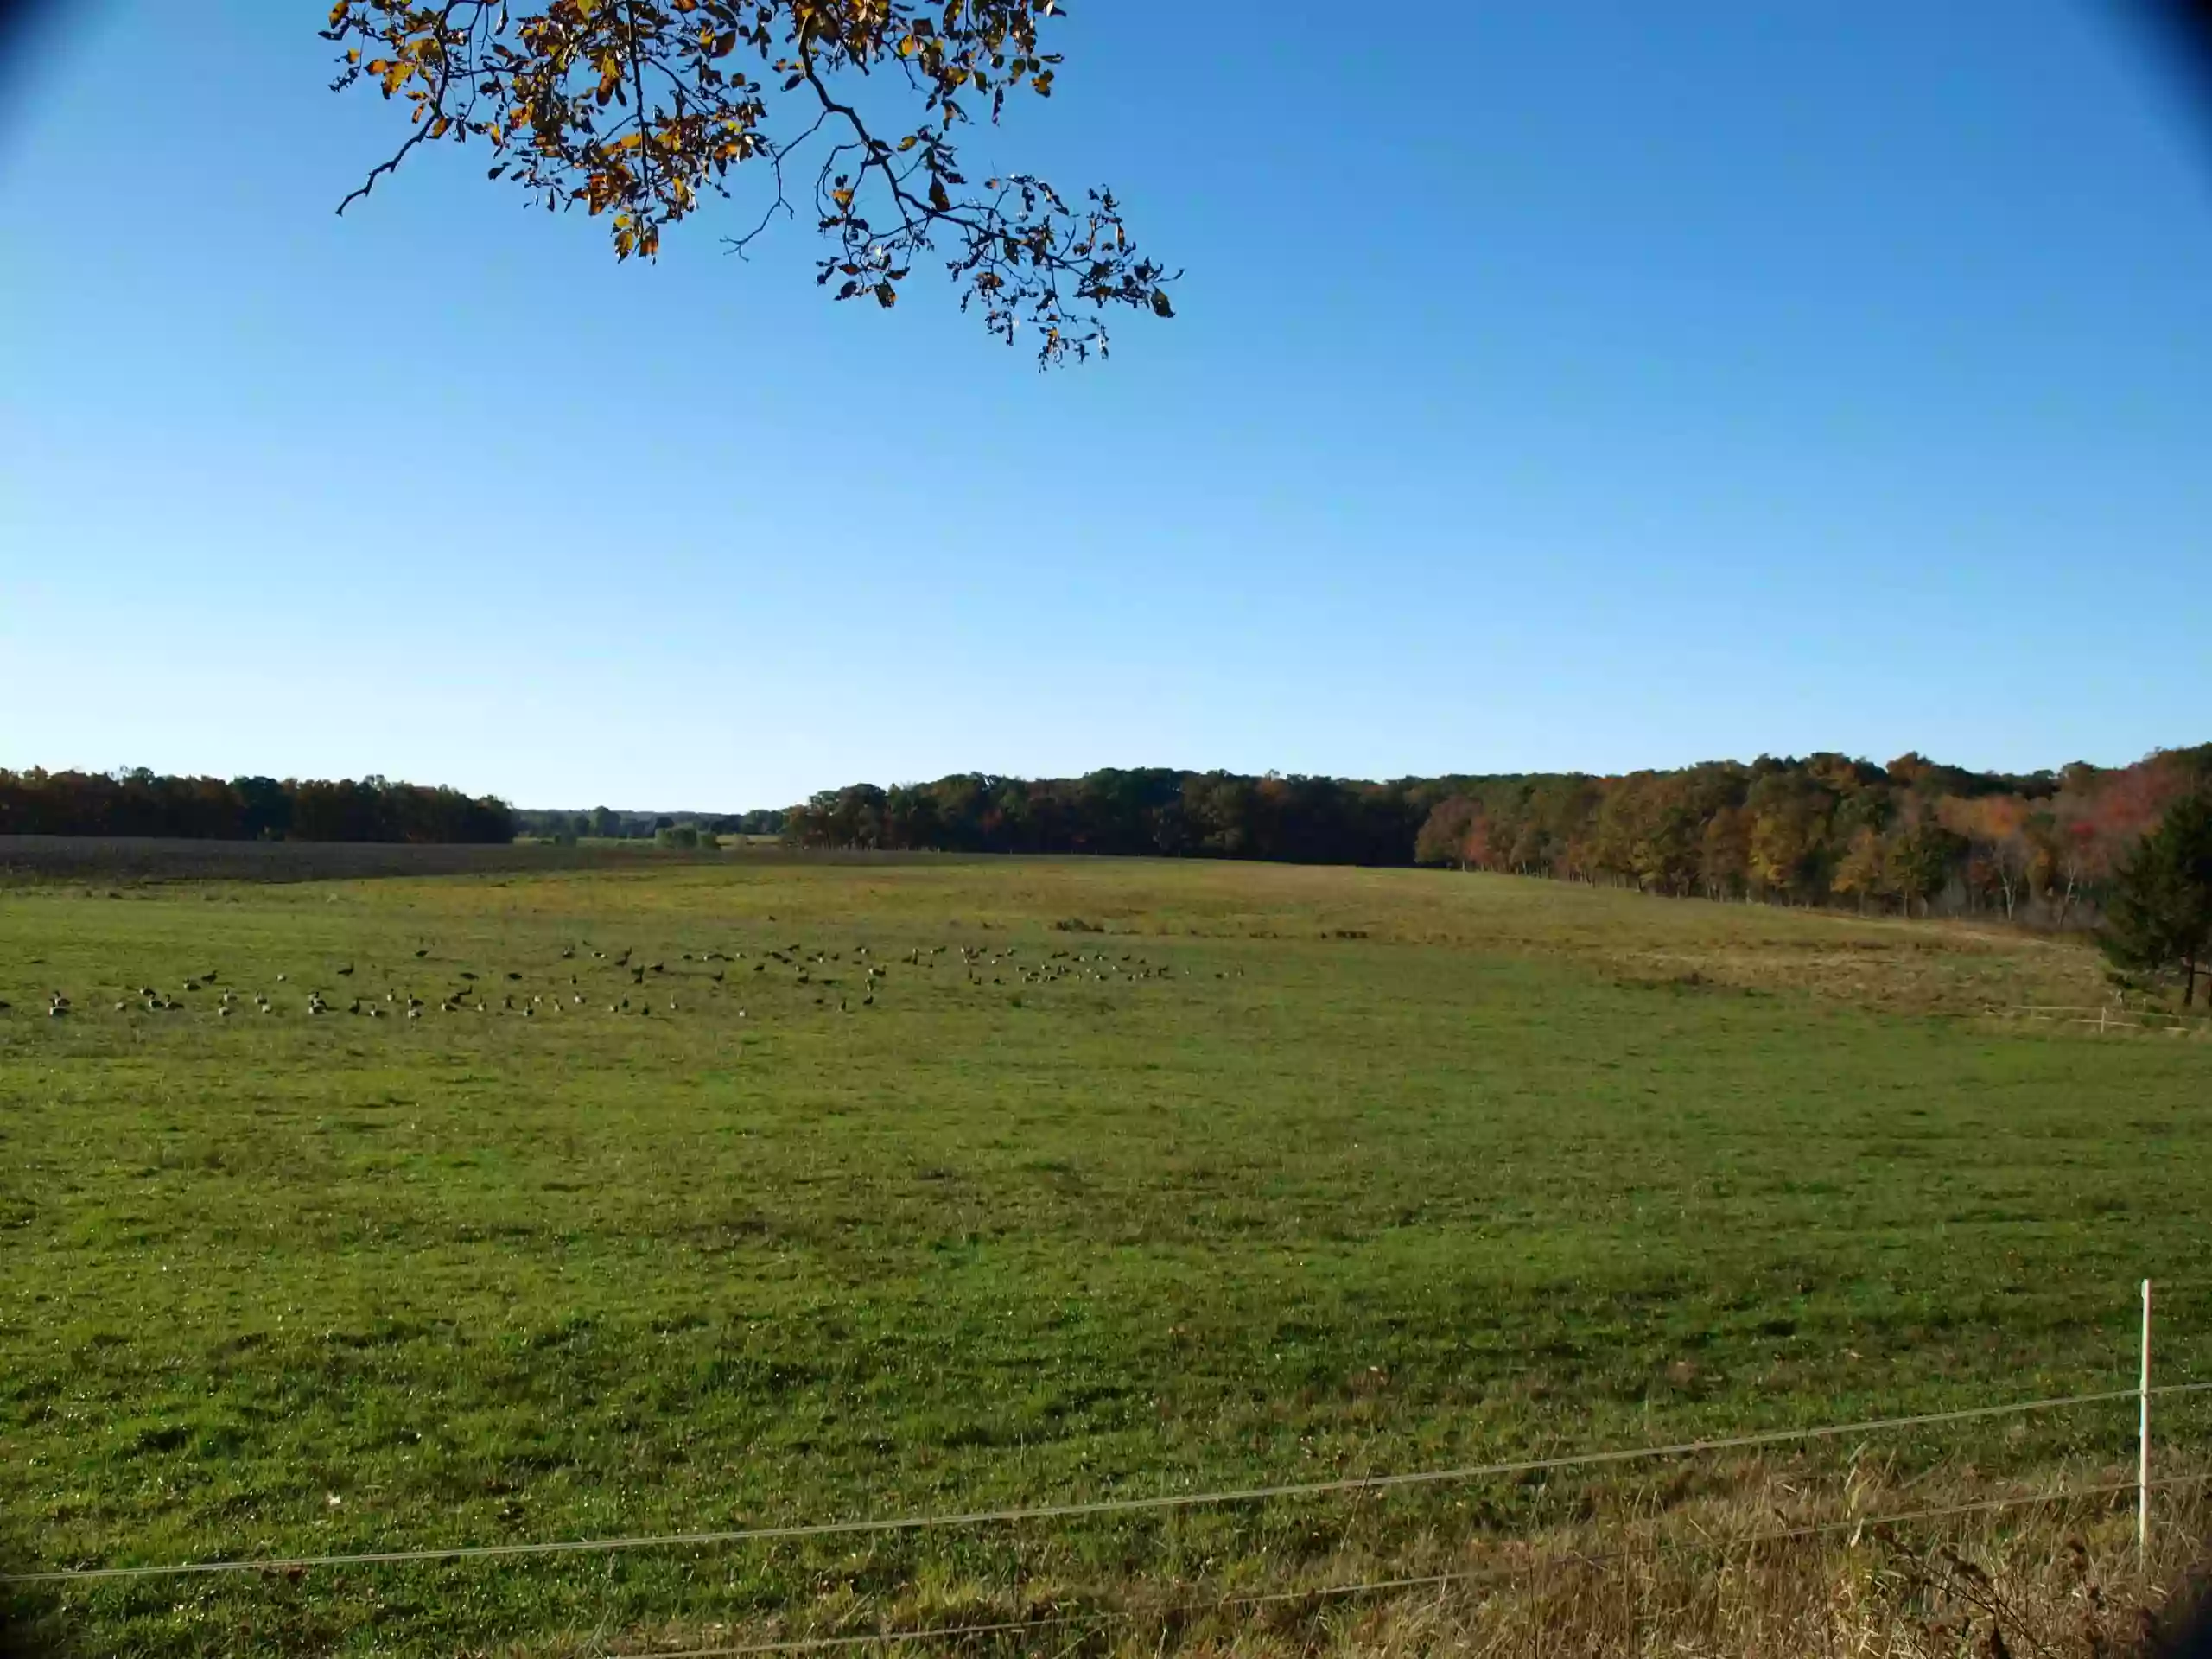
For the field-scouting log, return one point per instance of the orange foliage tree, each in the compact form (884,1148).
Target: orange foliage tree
(641,111)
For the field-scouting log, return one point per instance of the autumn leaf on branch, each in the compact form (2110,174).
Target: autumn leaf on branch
(640,110)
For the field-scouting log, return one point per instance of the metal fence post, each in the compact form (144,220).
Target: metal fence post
(2143,1443)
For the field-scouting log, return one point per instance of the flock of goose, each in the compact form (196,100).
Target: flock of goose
(855,977)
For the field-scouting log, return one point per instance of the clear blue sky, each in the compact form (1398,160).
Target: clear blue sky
(1592,386)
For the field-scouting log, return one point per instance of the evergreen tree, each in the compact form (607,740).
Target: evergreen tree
(2161,917)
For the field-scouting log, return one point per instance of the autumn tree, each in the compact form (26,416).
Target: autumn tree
(2161,916)
(1724,852)
(1795,831)
(1860,872)
(1789,812)
(643,111)
(2000,851)
(1444,834)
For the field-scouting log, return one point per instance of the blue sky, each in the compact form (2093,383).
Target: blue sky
(1594,386)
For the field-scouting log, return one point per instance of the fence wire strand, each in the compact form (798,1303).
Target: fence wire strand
(1426,1581)
(1152,1503)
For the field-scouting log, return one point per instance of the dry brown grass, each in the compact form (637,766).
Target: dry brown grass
(1782,1564)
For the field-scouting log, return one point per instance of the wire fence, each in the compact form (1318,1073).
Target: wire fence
(1078,1625)
(2105,1017)
(1153,1503)
(1102,1618)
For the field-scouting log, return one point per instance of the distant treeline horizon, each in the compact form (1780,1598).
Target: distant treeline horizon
(141,803)
(1913,836)
(612,823)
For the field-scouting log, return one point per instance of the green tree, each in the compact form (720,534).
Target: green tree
(2161,916)
(1920,862)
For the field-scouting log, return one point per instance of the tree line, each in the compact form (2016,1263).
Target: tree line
(1148,812)
(143,803)
(609,824)
(1913,837)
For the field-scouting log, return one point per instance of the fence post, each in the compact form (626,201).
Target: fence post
(2143,1443)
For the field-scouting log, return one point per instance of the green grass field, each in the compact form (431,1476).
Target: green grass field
(1285,1174)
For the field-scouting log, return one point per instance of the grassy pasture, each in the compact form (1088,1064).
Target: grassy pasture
(1316,1173)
